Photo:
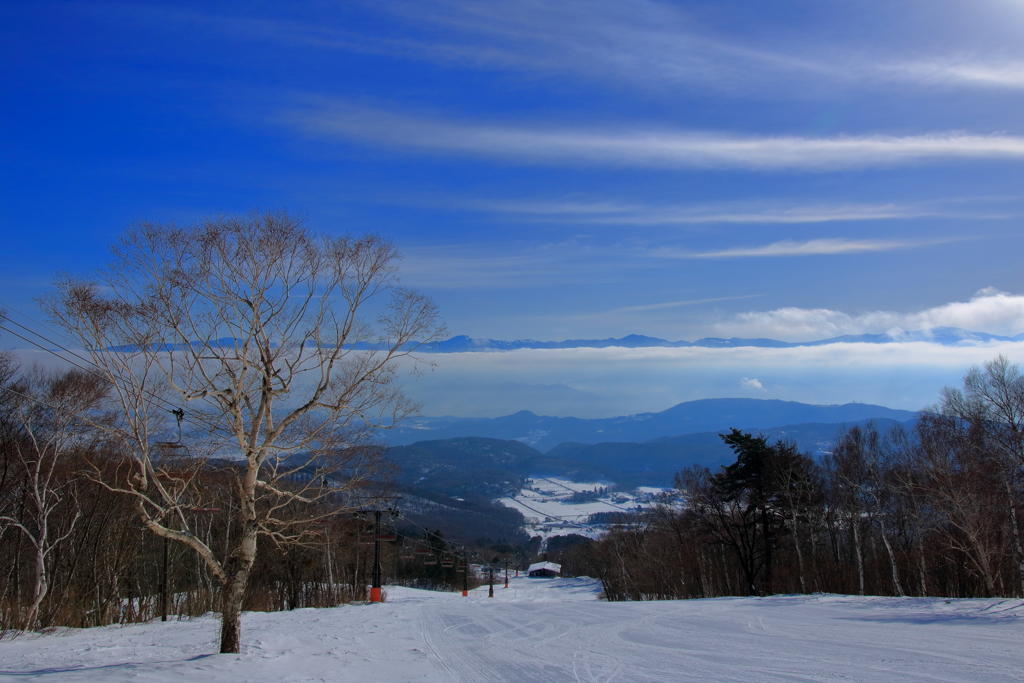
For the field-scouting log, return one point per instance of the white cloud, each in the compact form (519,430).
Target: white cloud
(610,213)
(751,383)
(1009,74)
(988,311)
(818,247)
(647,148)
(654,44)
(673,304)
(643,43)
(640,42)
(443,268)
(461,266)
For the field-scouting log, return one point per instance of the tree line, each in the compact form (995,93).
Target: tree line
(931,511)
(75,553)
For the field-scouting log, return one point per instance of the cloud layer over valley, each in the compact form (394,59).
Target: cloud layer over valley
(619,381)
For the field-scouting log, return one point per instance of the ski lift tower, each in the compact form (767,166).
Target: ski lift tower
(378,536)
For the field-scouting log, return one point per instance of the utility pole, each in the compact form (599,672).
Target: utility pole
(465,575)
(490,587)
(506,572)
(163,585)
(171,446)
(375,578)
(330,570)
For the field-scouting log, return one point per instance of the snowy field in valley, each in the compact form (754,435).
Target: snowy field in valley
(554,631)
(548,511)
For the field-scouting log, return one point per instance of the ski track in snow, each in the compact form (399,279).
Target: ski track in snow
(555,631)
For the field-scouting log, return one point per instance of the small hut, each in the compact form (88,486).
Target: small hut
(546,570)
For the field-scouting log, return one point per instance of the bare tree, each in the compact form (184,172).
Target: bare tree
(281,348)
(992,401)
(909,487)
(50,416)
(848,467)
(964,486)
(865,467)
(793,475)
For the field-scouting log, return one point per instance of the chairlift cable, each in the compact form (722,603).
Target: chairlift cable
(176,411)
(62,348)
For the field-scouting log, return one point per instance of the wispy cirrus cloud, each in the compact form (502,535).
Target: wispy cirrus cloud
(649,43)
(968,72)
(640,43)
(815,247)
(461,266)
(675,304)
(475,267)
(638,147)
(611,213)
(645,44)
(645,39)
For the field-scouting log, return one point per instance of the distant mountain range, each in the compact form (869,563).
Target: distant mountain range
(947,336)
(692,417)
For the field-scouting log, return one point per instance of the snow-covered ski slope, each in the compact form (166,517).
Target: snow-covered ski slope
(554,631)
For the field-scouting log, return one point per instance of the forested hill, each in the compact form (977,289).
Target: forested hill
(490,468)
(460,466)
(691,417)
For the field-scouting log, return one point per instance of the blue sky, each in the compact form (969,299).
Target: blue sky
(557,170)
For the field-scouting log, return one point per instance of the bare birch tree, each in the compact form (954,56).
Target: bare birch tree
(50,416)
(964,487)
(279,347)
(848,467)
(992,400)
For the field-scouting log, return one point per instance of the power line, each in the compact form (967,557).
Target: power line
(52,353)
(44,338)
(58,333)
(92,372)
(167,405)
